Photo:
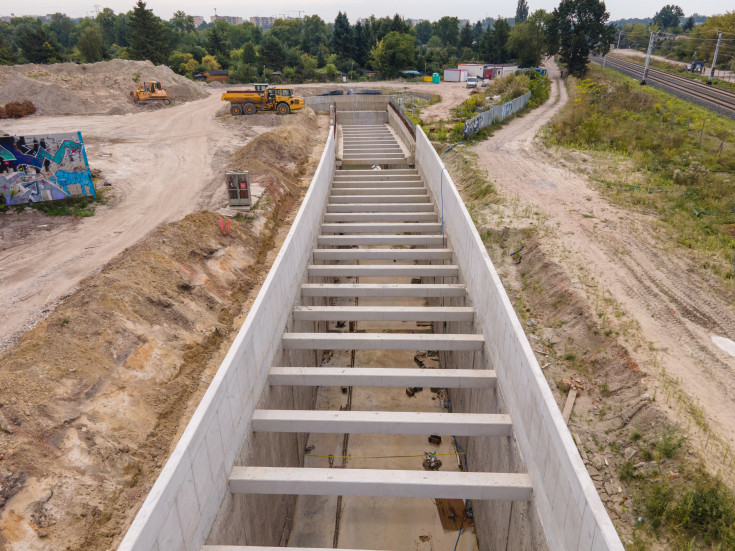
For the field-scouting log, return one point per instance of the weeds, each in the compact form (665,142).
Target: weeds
(17,109)
(683,154)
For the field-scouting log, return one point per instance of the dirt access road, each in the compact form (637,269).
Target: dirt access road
(614,253)
(160,165)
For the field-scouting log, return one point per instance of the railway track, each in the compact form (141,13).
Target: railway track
(721,101)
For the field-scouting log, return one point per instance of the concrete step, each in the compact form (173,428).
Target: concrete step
(375,161)
(381,422)
(363,148)
(425,290)
(381,483)
(380,217)
(382,376)
(356,255)
(416,191)
(381,227)
(385,172)
(383,313)
(383,270)
(381,341)
(381,207)
(381,155)
(389,239)
(378,198)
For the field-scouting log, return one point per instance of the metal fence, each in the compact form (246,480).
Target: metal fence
(497,113)
(400,108)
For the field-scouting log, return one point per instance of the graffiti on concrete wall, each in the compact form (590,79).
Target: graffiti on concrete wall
(497,113)
(43,168)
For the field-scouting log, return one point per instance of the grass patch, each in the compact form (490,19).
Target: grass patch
(81,207)
(683,154)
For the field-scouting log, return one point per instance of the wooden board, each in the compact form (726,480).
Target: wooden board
(452,513)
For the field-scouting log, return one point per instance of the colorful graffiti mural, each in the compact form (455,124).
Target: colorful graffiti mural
(44,168)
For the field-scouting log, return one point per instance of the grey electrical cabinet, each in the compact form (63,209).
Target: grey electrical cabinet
(238,189)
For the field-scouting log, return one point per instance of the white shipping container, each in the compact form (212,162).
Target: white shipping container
(455,75)
(473,69)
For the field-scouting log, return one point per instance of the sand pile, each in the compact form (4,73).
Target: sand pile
(90,89)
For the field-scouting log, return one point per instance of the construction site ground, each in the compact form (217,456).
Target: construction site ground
(123,317)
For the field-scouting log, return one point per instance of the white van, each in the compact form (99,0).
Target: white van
(471,82)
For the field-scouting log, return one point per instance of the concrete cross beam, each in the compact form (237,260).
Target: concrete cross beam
(382,254)
(382,227)
(383,270)
(381,217)
(381,483)
(382,376)
(381,422)
(382,290)
(381,341)
(383,313)
(389,239)
(388,198)
(419,191)
(409,207)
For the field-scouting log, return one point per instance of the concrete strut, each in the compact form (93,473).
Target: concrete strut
(382,290)
(380,341)
(381,483)
(381,422)
(382,376)
(383,270)
(383,313)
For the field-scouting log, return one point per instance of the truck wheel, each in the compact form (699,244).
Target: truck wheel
(250,109)
(235,109)
(283,109)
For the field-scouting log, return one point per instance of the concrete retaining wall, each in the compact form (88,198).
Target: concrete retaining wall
(361,117)
(185,500)
(400,128)
(348,102)
(565,498)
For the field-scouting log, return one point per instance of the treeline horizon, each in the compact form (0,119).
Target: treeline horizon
(310,49)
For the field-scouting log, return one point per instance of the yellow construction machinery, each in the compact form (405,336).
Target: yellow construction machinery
(262,98)
(150,91)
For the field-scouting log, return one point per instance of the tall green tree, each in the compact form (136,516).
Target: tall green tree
(182,23)
(7,52)
(148,38)
(494,45)
(217,39)
(271,52)
(521,11)
(688,24)
(527,41)
(35,43)
(91,45)
(668,16)
(314,34)
(63,28)
(114,28)
(342,40)
(466,36)
(578,29)
(423,31)
(395,52)
(447,29)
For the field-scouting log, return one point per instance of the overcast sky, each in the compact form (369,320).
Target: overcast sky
(327,9)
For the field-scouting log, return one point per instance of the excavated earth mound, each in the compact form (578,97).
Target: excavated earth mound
(90,89)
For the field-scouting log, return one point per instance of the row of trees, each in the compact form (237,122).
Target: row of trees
(683,38)
(306,49)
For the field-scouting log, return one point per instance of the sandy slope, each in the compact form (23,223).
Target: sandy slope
(160,165)
(676,303)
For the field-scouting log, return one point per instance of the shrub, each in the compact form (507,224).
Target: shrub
(16,110)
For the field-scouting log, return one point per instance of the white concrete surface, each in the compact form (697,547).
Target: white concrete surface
(382,377)
(378,482)
(381,341)
(390,239)
(381,422)
(356,255)
(382,290)
(384,227)
(382,270)
(383,313)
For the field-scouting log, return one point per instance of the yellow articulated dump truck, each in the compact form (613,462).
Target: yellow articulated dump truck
(262,98)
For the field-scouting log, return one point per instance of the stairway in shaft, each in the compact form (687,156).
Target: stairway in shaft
(381,274)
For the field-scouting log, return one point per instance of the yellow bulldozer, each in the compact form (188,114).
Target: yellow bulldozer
(150,91)
(263,98)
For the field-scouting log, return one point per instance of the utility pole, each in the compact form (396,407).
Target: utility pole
(648,56)
(620,34)
(714,61)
